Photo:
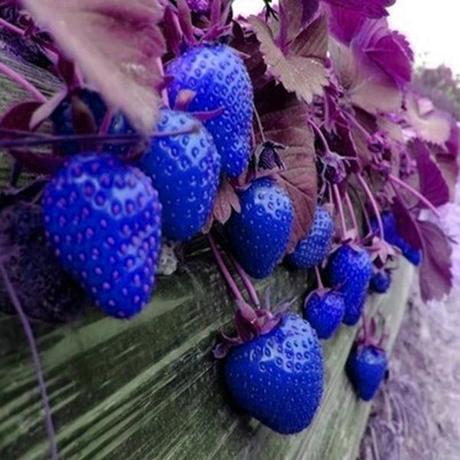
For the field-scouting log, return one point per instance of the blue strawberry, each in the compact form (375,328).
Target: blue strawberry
(63,117)
(380,281)
(312,250)
(366,368)
(393,237)
(185,169)
(324,310)
(103,218)
(278,377)
(220,80)
(350,270)
(259,234)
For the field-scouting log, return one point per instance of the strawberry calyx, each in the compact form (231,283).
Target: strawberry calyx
(250,323)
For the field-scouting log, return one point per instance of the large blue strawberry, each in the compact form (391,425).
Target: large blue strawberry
(324,310)
(64,121)
(259,234)
(380,282)
(185,169)
(220,80)
(350,271)
(104,220)
(366,368)
(313,249)
(278,377)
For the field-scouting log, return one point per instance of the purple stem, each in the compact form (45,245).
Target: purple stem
(318,278)
(351,211)
(374,204)
(259,124)
(128,138)
(226,274)
(36,362)
(321,136)
(11,28)
(247,282)
(398,181)
(21,81)
(338,200)
(363,208)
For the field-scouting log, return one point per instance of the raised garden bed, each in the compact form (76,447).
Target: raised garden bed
(150,388)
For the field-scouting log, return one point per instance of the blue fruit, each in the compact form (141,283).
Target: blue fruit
(366,369)
(185,169)
(64,123)
(350,271)
(393,237)
(278,378)
(324,310)
(312,250)
(220,80)
(259,234)
(104,220)
(380,282)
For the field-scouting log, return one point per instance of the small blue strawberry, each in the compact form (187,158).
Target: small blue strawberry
(185,169)
(350,271)
(259,234)
(324,309)
(64,122)
(393,237)
(312,250)
(380,282)
(104,220)
(220,80)
(366,368)
(278,377)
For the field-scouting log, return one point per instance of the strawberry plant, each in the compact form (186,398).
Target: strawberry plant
(292,135)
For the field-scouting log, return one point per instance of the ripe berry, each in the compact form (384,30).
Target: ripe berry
(259,234)
(220,80)
(366,369)
(312,250)
(380,281)
(350,271)
(185,169)
(278,377)
(103,218)
(324,310)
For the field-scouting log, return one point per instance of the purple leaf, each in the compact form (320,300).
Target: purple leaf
(436,278)
(429,124)
(19,116)
(433,186)
(287,125)
(116,44)
(407,224)
(371,8)
(304,57)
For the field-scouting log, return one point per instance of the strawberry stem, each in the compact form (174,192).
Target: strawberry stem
(351,211)
(36,362)
(224,270)
(247,282)
(373,202)
(21,81)
(338,200)
(318,278)
(34,140)
(364,210)
(321,136)
(259,124)
(11,28)
(397,181)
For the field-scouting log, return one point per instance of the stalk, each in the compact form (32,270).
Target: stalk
(54,455)
(21,81)
(226,274)
(247,282)
(338,200)
(374,204)
(318,278)
(396,180)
